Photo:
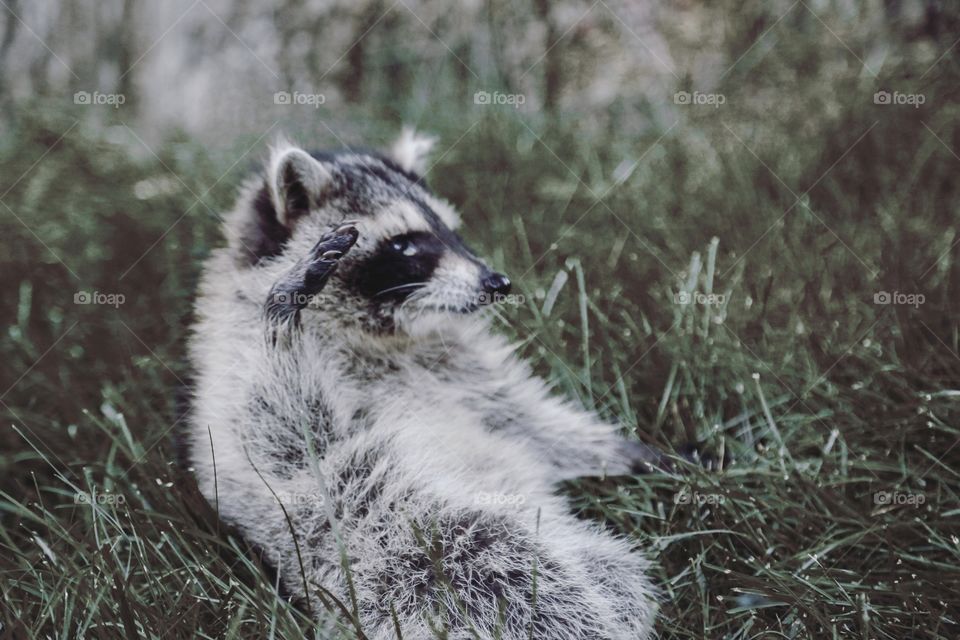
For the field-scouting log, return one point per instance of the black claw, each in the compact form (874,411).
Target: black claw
(346,226)
(645,459)
(691,453)
(339,240)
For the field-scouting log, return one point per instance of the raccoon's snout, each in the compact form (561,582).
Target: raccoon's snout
(495,285)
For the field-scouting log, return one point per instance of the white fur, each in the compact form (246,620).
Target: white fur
(412,150)
(446,212)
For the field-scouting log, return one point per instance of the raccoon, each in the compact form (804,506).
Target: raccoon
(357,418)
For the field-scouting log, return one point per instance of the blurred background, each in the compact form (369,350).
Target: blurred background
(731,225)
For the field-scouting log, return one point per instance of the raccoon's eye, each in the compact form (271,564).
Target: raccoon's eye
(404,246)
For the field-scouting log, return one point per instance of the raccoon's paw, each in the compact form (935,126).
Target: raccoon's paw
(294,290)
(325,256)
(642,458)
(711,461)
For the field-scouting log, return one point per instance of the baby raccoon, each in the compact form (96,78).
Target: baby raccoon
(375,437)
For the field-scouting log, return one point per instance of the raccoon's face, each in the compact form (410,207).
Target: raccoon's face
(409,270)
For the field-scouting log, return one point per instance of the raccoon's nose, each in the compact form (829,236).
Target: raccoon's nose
(496,283)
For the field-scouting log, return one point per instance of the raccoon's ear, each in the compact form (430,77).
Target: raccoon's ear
(412,150)
(296,181)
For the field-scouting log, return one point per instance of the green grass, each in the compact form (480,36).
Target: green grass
(819,397)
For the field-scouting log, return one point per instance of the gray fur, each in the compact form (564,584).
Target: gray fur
(437,452)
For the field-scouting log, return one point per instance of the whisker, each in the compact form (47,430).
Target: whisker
(401,286)
(416,296)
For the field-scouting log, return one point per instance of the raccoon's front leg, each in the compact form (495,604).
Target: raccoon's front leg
(574,442)
(289,295)
(582,445)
